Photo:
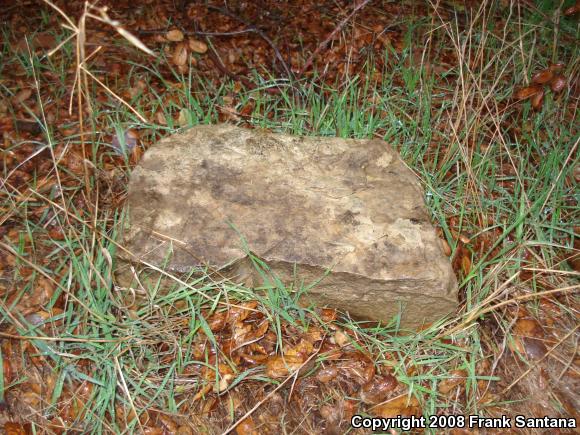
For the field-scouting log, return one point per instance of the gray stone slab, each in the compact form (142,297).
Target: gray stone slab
(304,204)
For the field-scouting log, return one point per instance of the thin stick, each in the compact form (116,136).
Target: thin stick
(127,393)
(198,33)
(63,339)
(265,37)
(331,35)
(115,95)
(214,56)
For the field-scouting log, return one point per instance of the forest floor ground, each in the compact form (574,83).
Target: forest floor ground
(479,98)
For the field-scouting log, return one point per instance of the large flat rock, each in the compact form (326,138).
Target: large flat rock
(304,205)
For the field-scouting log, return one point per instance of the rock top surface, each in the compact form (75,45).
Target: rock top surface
(304,205)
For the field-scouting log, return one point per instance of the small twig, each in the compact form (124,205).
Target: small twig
(127,393)
(114,95)
(63,339)
(252,28)
(196,33)
(331,36)
(213,54)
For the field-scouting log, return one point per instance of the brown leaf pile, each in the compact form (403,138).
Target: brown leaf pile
(548,78)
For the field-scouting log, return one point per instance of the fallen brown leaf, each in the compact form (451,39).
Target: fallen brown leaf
(127,143)
(196,46)
(174,35)
(328,315)
(160,117)
(180,54)
(572,10)
(279,367)
(22,95)
(14,429)
(378,389)
(466,264)
(445,246)
(456,379)
(403,406)
(246,427)
(538,100)
(327,374)
(557,67)
(341,338)
(528,328)
(543,76)
(527,92)
(558,84)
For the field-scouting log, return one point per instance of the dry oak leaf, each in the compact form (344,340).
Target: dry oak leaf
(327,374)
(180,54)
(174,35)
(403,406)
(22,95)
(456,379)
(558,84)
(246,427)
(528,92)
(196,46)
(279,366)
(573,10)
(445,246)
(328,315)
(183,118)
(127,143)
(378,389)
(543,76)
(241,312)
(340,338)
(14,429)
(160,117)
(528,328)
(538,100)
